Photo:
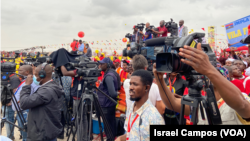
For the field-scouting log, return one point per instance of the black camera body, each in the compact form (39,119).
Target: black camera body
(172,27)
(6,69)
(169,62)
(140,26)
(30,60)
(85,67)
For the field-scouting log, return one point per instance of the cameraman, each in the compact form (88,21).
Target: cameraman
(110,86)
(44,115)
(148,34)
(236,108)
(162,30)
(9,113)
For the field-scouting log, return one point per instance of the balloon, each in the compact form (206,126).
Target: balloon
(124,40)
(81,34)
(96,51)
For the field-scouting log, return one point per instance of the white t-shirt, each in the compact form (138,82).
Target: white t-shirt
(3,138)
(154,94)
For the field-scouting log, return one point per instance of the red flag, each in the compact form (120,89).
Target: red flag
(203,29)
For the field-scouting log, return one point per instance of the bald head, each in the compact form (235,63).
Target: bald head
(162,23)
(181,22)
(48,69)
(25,70)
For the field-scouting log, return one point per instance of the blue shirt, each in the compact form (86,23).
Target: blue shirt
(81,47)
(34,87)
(149,36)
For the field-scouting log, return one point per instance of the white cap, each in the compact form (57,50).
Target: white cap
(230,59)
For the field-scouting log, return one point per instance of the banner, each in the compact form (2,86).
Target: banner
(211,36)
(237,30)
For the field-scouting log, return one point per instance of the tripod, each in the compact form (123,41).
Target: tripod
(196,100)
(7,90)
(68,112)
(90,98)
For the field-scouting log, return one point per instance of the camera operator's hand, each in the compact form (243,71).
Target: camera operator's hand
(158,75)
(29,80)
(142,33)
(197,59)
(9,104)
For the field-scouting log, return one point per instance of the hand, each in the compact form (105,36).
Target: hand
(158,75)
(29,80)
(9,104)
(197,59)
(33,68)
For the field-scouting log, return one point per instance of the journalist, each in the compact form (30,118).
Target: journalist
(24,70)
(109,85)
(9,113)
(162,30)
(45,108)
(148,34)
(182,30)
(234,106)
(89,51)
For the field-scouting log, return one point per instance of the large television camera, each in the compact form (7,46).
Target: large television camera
(6,70)
(165,51)
(85,67)
(170,61)
(172,27)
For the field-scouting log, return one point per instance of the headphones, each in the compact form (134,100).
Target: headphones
(42,73)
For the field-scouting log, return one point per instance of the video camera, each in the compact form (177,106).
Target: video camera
(7,68)
(172,27)
(140,26)
(30,60)
(170,61)
(85,67)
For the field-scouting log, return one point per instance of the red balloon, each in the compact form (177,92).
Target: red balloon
(81,34)
(124,40)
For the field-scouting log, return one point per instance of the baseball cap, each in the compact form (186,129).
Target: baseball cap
(117,60)
(126,61)
(105,60)
(134,27)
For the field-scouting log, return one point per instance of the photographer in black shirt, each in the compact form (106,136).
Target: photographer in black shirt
(177,86)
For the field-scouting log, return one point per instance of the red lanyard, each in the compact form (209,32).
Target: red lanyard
(170,86)
(129,127)
(180,29)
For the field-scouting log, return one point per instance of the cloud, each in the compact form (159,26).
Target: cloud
(30,23)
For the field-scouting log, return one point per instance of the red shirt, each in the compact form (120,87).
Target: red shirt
(247,87)
(163,29)
(101,57)
(239,84)
(74,46)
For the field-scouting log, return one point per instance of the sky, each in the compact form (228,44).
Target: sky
(29,23)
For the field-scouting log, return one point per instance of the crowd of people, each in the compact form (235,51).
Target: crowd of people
(142,99)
